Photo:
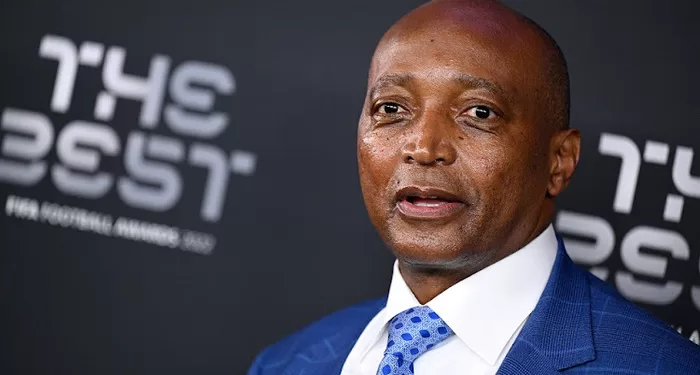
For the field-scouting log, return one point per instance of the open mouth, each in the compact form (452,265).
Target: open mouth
(427,203)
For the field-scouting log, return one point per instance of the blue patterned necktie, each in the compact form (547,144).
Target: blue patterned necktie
(411,333)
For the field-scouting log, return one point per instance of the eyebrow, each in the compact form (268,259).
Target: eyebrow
(464,79)
(475,82)
(389,80)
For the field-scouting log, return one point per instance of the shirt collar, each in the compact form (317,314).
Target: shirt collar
(486,309)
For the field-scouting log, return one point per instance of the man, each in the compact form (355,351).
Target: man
(463,144)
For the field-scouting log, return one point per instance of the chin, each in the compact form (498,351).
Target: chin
(433,252)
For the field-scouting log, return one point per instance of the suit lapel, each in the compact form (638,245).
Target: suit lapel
(327,352)
(558,334)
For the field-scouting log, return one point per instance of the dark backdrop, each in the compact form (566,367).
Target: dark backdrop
(216,208)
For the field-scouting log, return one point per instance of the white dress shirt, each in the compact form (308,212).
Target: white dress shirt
(486,311)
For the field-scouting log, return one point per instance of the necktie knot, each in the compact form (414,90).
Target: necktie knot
(411,333)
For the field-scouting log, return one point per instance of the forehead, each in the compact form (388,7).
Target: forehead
(442,50)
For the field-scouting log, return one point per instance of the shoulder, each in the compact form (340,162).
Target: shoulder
(624,332)
(325,337)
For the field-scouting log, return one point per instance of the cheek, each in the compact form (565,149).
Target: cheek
(376,160)
(509,176)
(488,161)
(496,171)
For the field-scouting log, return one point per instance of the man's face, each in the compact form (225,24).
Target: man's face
(452,149)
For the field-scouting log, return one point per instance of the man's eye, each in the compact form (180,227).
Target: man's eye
(481,112)
(390,108)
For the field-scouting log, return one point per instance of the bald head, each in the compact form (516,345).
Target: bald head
(506,29)
(463,141)
(557,92)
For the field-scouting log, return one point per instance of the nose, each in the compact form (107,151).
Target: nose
(430,142)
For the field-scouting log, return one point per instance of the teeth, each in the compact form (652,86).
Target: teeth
(428,204)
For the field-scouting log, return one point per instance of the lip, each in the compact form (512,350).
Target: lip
(436,203)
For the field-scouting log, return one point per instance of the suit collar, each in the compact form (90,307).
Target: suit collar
(486,309)
(556,336)
(559,329)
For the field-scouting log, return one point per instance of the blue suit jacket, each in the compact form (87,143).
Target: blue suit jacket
(579,326)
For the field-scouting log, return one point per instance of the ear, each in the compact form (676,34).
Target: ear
(565,148)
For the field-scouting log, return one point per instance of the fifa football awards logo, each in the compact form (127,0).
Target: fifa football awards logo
(181,98)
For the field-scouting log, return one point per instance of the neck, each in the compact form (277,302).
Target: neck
(428,281)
